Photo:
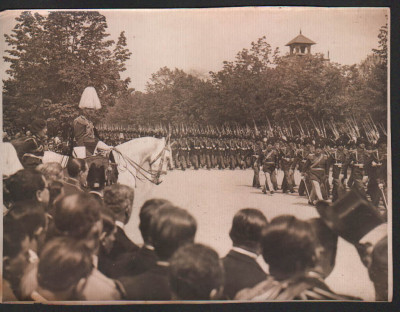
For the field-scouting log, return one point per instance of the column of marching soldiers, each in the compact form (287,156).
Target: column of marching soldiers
(353,157)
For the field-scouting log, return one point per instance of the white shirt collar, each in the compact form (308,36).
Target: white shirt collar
(33,257)
(163,263)
(95,261)
(245,252)
(149,247)
(120,224)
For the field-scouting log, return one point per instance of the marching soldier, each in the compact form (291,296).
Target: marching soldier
(270,162)
(257,161)
(288,163)
(316,170)
(339,170)
(377,173)
(358,162)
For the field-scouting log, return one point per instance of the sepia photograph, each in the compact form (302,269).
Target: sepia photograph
(237,154)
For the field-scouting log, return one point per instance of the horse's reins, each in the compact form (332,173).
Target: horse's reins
(155,175)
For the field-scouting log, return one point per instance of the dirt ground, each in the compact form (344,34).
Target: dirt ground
(214,196)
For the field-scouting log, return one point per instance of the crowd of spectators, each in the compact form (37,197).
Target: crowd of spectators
(64,239)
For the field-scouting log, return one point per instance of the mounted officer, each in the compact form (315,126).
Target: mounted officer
(85,136)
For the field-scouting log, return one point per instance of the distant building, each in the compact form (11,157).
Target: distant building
(301,45)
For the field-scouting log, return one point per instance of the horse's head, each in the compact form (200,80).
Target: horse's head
(164,161)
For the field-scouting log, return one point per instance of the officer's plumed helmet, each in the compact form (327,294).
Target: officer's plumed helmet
(89,99)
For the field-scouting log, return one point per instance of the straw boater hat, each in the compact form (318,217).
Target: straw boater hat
(89,99)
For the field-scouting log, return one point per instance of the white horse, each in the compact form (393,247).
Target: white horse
(143,158)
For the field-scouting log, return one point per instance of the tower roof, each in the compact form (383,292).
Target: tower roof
(300,39)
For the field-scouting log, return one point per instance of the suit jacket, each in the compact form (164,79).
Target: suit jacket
(150,285)
(127,264)
(241,271)
(122,244)
(71,186)
(116,262)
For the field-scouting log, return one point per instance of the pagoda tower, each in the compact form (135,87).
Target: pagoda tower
(300,45)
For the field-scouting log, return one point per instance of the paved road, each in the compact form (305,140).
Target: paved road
(213,197)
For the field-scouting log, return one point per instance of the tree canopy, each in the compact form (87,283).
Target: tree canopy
(53,58)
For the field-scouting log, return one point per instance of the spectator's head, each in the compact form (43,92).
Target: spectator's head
(52,171)
(326,247)
(39,127)
(96,178)
(63,269)
(28,184)
(170,228)
(149,208)
(15,250)
(107,237)
(378,270)
(78,216)
(31,216)
(247,227)
(56,189)
(119,199)
(289,247)
(77,169)
(196,273)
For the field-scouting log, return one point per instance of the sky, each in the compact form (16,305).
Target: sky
(199,40)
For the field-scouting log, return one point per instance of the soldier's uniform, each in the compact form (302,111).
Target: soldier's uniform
(358,162)
(316,167)
(377,173)
(339,171)
(257,161)
(269,164)
(84,134)
(221,155)
(288,164)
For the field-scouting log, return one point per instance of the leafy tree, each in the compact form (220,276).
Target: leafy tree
(54,57)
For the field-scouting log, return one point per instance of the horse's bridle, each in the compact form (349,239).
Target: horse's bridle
(161,154)
(154,175)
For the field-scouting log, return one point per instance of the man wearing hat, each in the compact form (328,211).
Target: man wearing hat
(84,133)
(316,168)
(353,218)
(358,161)
(31,147)
(377,173)
(270,161)
(339,170)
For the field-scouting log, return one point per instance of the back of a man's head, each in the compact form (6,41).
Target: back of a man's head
(119,199)
(247,228)
(96,178)
(24,184)
(75,166)
(326,244)
(52,171)
(149,208)
(63,263)
(170,228)
(30,214)
(15,244)
(75,215)
(196,273)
